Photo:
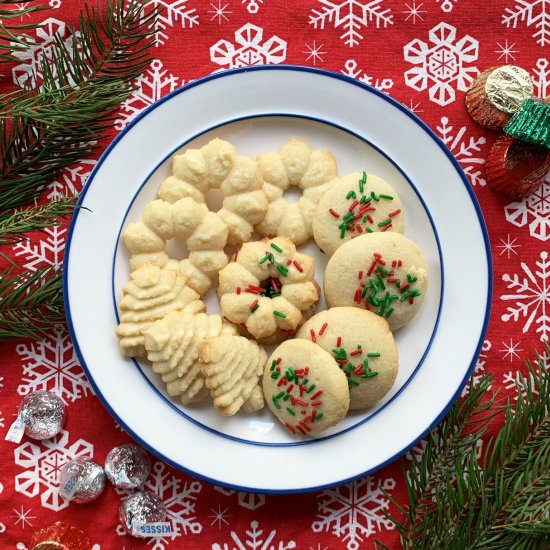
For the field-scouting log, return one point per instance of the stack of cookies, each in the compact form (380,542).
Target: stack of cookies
(326,363)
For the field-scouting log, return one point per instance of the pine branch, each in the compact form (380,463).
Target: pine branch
(46,128)
(15,224)
(30,303)
(501,501)
(13,36)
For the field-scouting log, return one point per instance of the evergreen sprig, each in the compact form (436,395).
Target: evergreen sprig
(14,225)
(55,120)
(14,37)
(30,302)
(501,500)
(58,118)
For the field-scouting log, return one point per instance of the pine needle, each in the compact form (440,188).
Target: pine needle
(498,501)
(14,225)
(59,117)
(30,303)
(13,36)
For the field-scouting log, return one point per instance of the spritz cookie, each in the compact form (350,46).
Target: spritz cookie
(383,272)
(268,289)
(295,164)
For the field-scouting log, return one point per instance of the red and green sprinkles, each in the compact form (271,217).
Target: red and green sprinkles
(357,220)
(301,399)
(345,358)
(273,285)
(379,287)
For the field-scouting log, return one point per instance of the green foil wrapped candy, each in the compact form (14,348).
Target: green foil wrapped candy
(531,123)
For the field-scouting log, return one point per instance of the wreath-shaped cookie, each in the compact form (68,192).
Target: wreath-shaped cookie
(268,289)
(297,164)
(218,166)
(203,233)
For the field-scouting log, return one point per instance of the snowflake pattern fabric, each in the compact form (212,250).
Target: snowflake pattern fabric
(443,65)
(250,48)
(351,16)
(425,54)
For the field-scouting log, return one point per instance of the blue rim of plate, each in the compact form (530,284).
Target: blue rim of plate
(360,422)
(435,139)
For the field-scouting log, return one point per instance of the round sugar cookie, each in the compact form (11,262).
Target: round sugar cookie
(383,272)
(355,204)
(363,346)
(304,387)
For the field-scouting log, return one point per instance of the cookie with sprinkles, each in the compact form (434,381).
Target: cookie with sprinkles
(385,273)
(305,388)
(268,289)
(363,346)
(356,204)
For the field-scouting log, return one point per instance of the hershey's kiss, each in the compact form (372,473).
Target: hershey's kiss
(81,480)
(127,466)
(43,414)
(141,508)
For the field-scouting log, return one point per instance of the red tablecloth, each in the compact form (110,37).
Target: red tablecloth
(423,53)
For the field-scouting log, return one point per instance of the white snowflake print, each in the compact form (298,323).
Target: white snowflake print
(249,49)
(534,211)
(171,13)
(466,149)
(516,381)
(414,107)
(253,6)
(447,5)
(314,53)
(1,382)
(254,539)
(506,51)
(150,86)
(508,246)
(414,11)
(530,297)
(351,69)
(443,65)
(479,368)
(219,516)
(180,500)
(22,517)
(47,251)
(71,181)
(39,49)
(351,16)
(541,79)
(355,510)
(250,501)
(51,364)
(55,4)
(42,464)
(535,13)
(219,12)
(511,351)
(2,420)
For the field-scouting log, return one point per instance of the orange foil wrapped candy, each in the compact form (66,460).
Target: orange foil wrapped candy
(516,168)
(60,536)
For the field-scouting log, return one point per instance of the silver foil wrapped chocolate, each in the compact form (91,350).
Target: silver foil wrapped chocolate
(43,414)
(81,480)
(142,508)
(127,466)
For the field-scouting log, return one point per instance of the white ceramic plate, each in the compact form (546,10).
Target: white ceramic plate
(258,109)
